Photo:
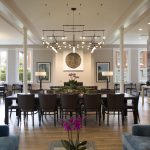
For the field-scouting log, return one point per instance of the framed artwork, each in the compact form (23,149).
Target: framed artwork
(44,67)
(100,67)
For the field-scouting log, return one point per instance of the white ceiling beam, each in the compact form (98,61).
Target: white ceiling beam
(131,15)
(15,17)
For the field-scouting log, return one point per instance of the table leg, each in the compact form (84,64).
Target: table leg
(6,112)
(135,115)
(142,95)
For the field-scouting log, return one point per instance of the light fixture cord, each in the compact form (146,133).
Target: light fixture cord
(73,30)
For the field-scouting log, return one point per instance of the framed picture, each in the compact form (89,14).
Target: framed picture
(45,67)
(100,67)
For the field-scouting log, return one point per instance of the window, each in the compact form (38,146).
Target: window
(142,65)
(117,65)
(3,63)
(21,60)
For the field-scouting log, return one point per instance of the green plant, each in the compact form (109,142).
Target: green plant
(3,74)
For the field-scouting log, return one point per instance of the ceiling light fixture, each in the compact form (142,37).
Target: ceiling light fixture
(148,23)
(140,29)
(73,37)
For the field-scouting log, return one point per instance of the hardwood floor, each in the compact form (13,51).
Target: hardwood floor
(105,137)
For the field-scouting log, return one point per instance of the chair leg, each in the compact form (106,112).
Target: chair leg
(108,118)
(19,116)
(99,117)
(54,118)
(10,112)
(103,113)
(62,113)
(39,118)
(32,119)
(118,118)
(122,114)
(24,114)
(138,116)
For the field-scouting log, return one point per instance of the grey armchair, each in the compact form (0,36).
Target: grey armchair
(8,142)
(138,140)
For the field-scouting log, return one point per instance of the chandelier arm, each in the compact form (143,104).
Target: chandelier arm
(74,30)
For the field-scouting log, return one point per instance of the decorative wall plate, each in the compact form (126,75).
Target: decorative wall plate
(73,60)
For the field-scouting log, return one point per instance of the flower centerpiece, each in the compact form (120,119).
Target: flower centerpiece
(73,126)
(73,80)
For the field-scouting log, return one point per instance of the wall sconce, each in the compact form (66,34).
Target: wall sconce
(107,74)
(41,75)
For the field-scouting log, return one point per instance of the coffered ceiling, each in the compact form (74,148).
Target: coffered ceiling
(110,15)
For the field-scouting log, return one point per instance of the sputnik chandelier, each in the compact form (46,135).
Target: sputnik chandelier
(73,37)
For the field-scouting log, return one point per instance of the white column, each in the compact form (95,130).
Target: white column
(121,60)
(25,61)
(148,57)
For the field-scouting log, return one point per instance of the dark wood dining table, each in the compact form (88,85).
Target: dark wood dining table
(103,96)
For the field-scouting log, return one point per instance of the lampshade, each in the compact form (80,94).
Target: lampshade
(107,73)
(40,73)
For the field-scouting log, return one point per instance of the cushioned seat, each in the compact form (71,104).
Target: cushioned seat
(132,142)
(4,130)
(9,143)
(138,140)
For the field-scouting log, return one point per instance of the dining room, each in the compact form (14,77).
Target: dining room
(80,62)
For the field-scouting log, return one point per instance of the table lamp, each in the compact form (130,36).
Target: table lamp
(40,75)
(107,74)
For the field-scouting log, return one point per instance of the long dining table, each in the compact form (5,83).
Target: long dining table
(103,96)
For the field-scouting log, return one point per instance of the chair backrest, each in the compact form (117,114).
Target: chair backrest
(29,86)
(8,93)
(115,101)
(69,101)
(92,101)
(135,101)
(116,87)
(48,101)
(38,91)
(26,102)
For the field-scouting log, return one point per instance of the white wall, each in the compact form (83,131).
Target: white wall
(41,55)
(59,76)
(134,65)
(103,55)
(12,66)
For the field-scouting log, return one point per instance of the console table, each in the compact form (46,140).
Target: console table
(56,145)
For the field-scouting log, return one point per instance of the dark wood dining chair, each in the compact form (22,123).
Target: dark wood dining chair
(133,106)
(48,106)
(27,105)
(115,103)
(130,87)
(117,87)
(13,107)
(69,105)
(92,103)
